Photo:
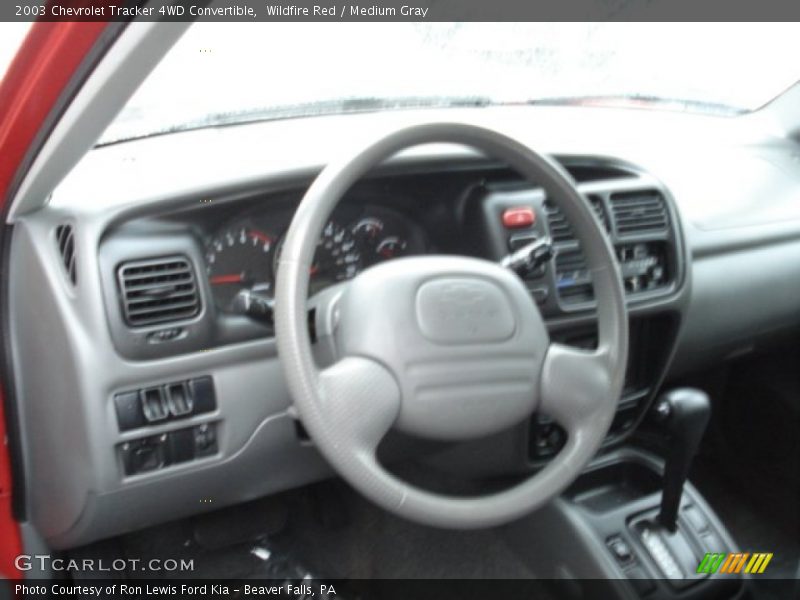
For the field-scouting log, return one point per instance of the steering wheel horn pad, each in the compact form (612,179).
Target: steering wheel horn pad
(460,335)
(446,347)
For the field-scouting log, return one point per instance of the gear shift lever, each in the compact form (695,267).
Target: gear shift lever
(685,413)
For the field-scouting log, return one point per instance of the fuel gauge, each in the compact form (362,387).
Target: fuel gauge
(391,247)
(367,233)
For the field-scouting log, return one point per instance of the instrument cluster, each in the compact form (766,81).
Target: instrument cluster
(242,256)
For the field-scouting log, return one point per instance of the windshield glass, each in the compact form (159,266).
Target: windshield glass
(228,73)
(11,36)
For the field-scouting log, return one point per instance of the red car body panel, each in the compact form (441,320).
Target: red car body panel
(30,94)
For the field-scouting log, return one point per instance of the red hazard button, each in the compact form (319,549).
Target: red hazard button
(518,217)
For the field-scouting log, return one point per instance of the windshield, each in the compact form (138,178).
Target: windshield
(228,73)
(11,36)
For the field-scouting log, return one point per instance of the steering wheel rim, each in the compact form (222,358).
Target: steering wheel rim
(348,407)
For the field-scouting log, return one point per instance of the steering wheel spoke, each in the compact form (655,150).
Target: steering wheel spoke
(575,384)
(323,318)
(360,401)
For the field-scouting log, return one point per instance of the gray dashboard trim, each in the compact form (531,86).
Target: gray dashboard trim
(67,380)
(67,371)
(69,450)
(739,300)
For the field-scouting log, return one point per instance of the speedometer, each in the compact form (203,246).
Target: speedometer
(239,258)
(242,261)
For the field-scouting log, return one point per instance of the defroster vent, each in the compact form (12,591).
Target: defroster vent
(158,290)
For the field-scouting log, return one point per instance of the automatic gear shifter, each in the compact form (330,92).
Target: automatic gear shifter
(684,412)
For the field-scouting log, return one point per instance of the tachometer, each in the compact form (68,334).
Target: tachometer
(337,258)
(240,258)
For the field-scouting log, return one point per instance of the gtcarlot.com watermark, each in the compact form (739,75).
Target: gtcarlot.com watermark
(45,562)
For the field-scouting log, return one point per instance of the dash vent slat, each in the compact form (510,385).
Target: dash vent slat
(560,228)
(600,211)
(65,240)
(158,291)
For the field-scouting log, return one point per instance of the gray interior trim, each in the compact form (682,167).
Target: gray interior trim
(67,379)
(68,373)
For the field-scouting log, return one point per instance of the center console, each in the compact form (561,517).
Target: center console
(601,539)
(617,501)
(655,527)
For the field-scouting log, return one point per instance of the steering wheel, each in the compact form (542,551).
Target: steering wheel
(446,347)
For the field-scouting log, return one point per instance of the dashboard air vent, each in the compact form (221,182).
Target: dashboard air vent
(158,291)
(638,211)
(65,240)
(600,211)
(560,229)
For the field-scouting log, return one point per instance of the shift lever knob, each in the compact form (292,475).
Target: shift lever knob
(684,413)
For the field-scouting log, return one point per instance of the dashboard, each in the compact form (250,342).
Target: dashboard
(204,275)
(159,373)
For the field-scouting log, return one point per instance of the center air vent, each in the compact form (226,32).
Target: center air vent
(639,211)
(65,239)
(158,290)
